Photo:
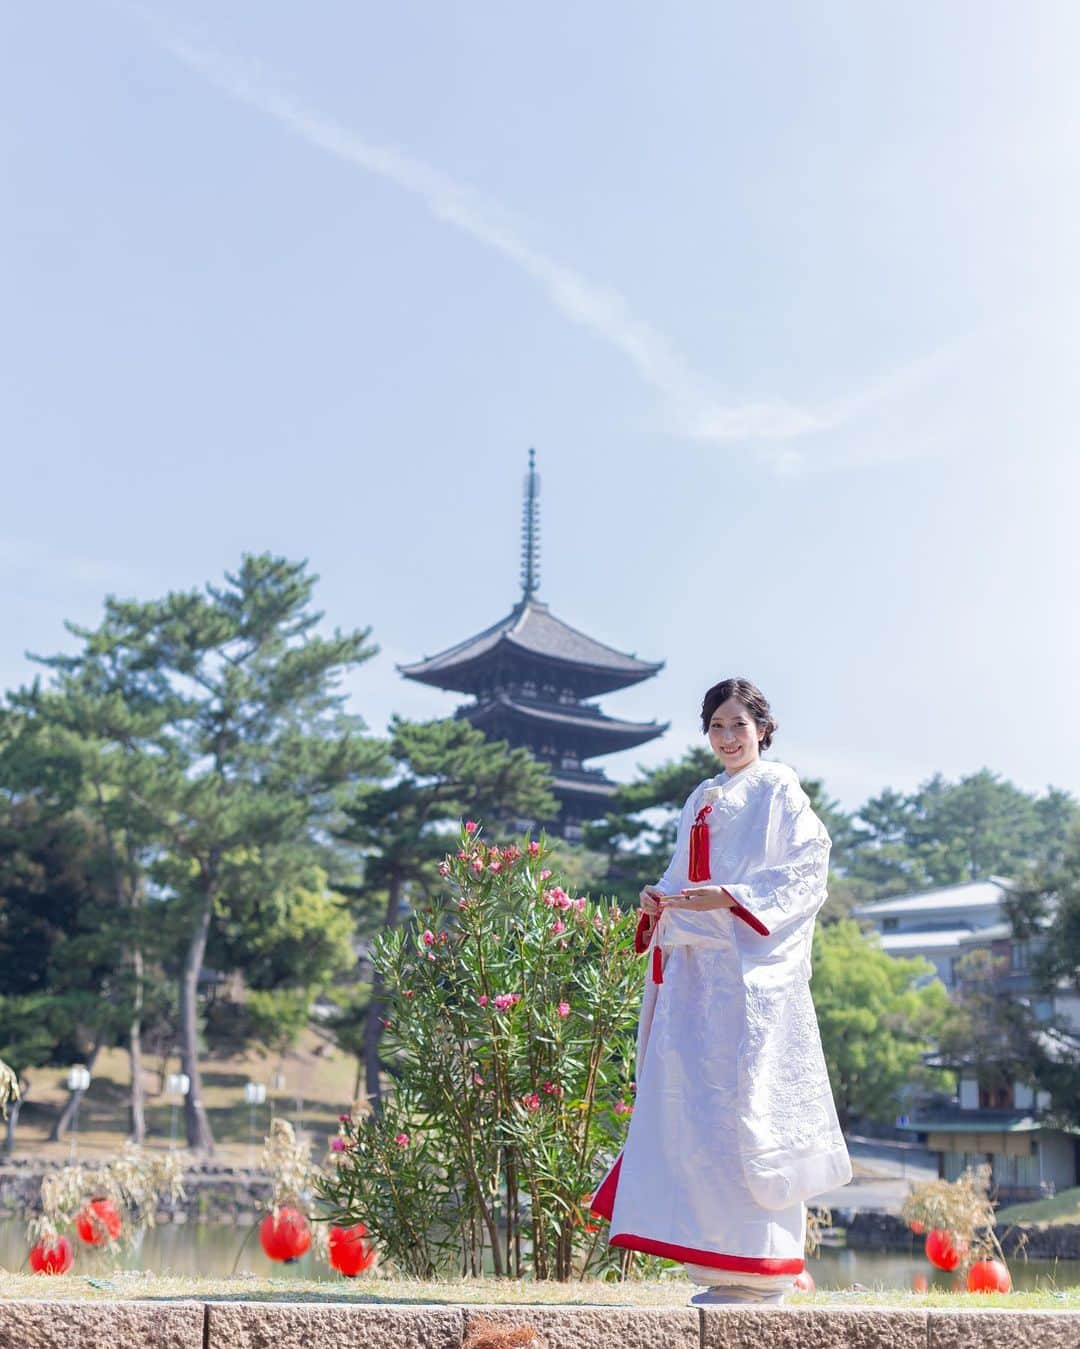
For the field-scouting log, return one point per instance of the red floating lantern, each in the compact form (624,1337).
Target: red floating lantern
(54,1256)
(989,1276)
(944,1249)
(285,1235)
(98,1222)
(804,1282)
(917,1227)
(350,1254)
(583,1219)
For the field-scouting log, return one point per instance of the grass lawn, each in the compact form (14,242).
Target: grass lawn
(1062,1208)
(318,1086)
(673,1292)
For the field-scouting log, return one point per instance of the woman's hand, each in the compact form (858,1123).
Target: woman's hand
(649,900)
(700,898)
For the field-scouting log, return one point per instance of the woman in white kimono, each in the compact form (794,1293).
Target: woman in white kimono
(734,1125)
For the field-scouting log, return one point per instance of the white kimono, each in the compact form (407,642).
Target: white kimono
(734,1125)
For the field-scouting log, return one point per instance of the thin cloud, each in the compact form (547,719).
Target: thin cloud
(693,409)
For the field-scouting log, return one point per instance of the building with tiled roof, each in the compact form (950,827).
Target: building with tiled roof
(531,678)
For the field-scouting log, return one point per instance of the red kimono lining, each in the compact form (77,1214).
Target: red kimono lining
(742,1264)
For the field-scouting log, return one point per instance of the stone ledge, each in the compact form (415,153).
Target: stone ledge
(985,1329)
(599,1327)
(424,1325)
(298,1325)
(119,1325)
(822,1327)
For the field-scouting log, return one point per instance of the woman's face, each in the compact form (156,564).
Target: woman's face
(733,734)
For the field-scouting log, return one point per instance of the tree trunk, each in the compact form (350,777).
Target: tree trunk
(138,1086)
(199,1135)
(63,1123)
(373,1027)
(12,1120)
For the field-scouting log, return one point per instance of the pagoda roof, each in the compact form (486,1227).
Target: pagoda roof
(532,630)
(592,730)
(601,788)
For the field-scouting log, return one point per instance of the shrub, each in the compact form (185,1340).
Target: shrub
(510,1029)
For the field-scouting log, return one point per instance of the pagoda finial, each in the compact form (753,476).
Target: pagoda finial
(530,532)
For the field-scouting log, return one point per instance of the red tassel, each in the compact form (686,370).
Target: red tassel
(643,935)
(657,965)
(699,848)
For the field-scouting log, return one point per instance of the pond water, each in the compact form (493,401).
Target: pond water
(213,1251)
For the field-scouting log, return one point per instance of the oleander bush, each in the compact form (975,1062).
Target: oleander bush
(510,1025)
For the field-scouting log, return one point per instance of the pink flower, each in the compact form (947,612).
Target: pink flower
(431,957)
(344,1119)
(428,937)
(531,1101)
(511,854)
(494,866)
(558,926)
(337,1145)
(534,848)
(504,1000)
(478,1079)
(444,868)
(463,903)
(563,1009)
(461,856)
(482,1000)
(409,993)
(470,826)
(402,1140)
(579,903)
(552,1089)
(545,874)
(623,1108)
(477,865)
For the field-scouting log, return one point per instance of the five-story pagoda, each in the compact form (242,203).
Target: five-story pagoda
(532,678)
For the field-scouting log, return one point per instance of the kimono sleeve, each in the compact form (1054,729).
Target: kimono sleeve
(793,886)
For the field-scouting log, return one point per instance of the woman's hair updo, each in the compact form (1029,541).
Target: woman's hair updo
(751,698)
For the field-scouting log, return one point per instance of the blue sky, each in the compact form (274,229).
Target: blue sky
(786,296)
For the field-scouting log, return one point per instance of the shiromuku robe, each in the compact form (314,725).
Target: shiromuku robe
(734,1125)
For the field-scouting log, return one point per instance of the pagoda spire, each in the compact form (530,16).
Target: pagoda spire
(530,533)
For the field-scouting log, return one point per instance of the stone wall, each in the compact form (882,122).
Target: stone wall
(282,1325)
(886,1232)
(214,1192)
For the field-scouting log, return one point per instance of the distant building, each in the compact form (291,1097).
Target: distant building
(532,679)
(1000,1122)
(943,925)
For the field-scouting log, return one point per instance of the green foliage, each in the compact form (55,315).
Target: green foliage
(1045,911)
(991,1034)
(277,1016)
(638,836)
(210,732)
(877,1016)
(510,1020)
(436,773)
(439,770)
(299,937)
(947,833)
